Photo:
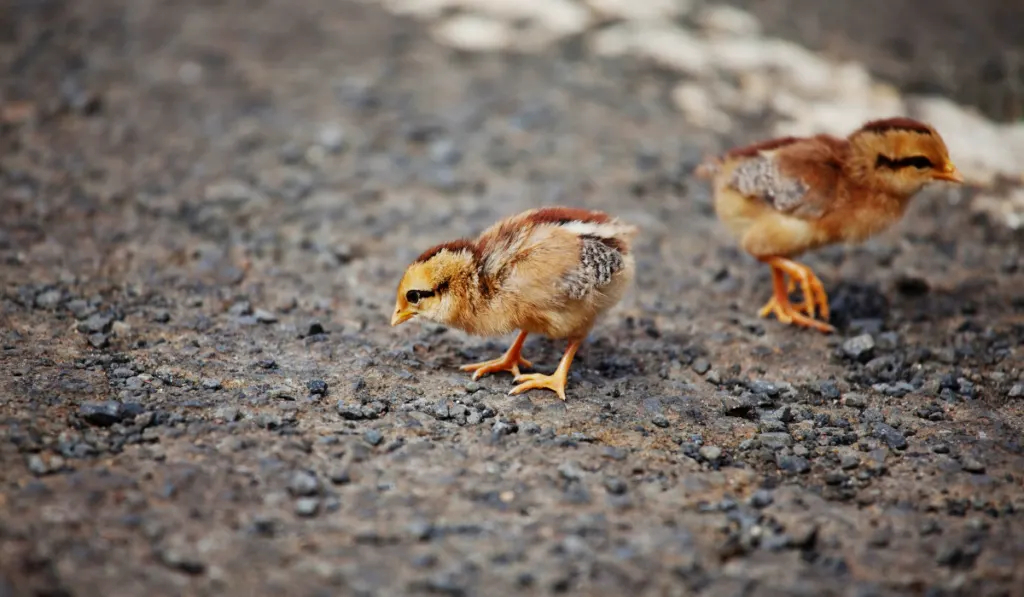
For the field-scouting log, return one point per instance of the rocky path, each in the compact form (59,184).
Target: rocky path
(205,211)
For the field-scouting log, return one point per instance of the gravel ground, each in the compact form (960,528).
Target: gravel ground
(206,209)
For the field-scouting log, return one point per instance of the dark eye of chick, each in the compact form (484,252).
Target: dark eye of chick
(918,161)
(414,296)
(915,161)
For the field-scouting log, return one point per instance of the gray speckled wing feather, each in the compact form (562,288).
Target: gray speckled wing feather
(761,177)
(599,261)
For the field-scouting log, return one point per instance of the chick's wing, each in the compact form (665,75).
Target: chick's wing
(798,179)
(599,260)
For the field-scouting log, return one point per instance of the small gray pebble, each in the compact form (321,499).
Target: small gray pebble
(855,400)
(317,386)
(307,507)
(122,372)
(340,476)
(829,390)
(226,413)
(97,324)
(859,348)
(530,428)
(332,138)
(794,464)
(264,316)
(99,341)
(373,437)
(502,427)
(849,461)
(303,484)
(701,366)
(37,465)
(1017,391)
(615,486)
(48,299)
(775,440)
(893,438)
(761,498)
(211,384)
(710,453)
(101,414)
(972,465)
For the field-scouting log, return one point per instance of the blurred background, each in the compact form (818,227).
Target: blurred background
(970,51)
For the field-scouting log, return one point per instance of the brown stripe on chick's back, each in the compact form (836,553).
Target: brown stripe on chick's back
(564,215)
(896,124)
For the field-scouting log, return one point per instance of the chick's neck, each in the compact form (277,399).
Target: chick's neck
(473,303)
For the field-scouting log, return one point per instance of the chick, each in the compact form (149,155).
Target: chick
(785,196)
(550,271)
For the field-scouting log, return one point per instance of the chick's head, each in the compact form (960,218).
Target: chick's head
(901,155)
(434,286)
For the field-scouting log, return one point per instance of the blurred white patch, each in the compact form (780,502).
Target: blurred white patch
(474,33)
(631,10)
(1007,209)
(190,73)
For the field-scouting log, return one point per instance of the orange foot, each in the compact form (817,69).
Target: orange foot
(556,381)
(510,361)
(801,314)
(802,306)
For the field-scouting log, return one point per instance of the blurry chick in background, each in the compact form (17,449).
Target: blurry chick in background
(550,271)
(785,196)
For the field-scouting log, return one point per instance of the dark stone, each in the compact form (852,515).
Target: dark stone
(701,366)
(859,348)
(794,464)
(317,386)
(892,438)
(102,414)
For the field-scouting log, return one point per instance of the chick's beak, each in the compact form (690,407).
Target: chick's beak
(402,316)
(949,174)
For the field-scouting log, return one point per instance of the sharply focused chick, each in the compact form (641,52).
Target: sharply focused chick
(785,196)
(550,271)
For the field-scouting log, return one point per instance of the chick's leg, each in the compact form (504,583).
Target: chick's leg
(510,361)
(556,381)
(783,309)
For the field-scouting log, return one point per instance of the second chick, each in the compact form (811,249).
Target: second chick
(785,196)
(551,271)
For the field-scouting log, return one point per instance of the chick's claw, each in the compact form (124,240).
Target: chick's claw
(510,361)
(539,381)
(503,363)
(820,297)
(772,307)
(788,313)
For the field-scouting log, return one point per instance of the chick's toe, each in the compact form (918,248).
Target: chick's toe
(503,363)
(538,381)
(510,361)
